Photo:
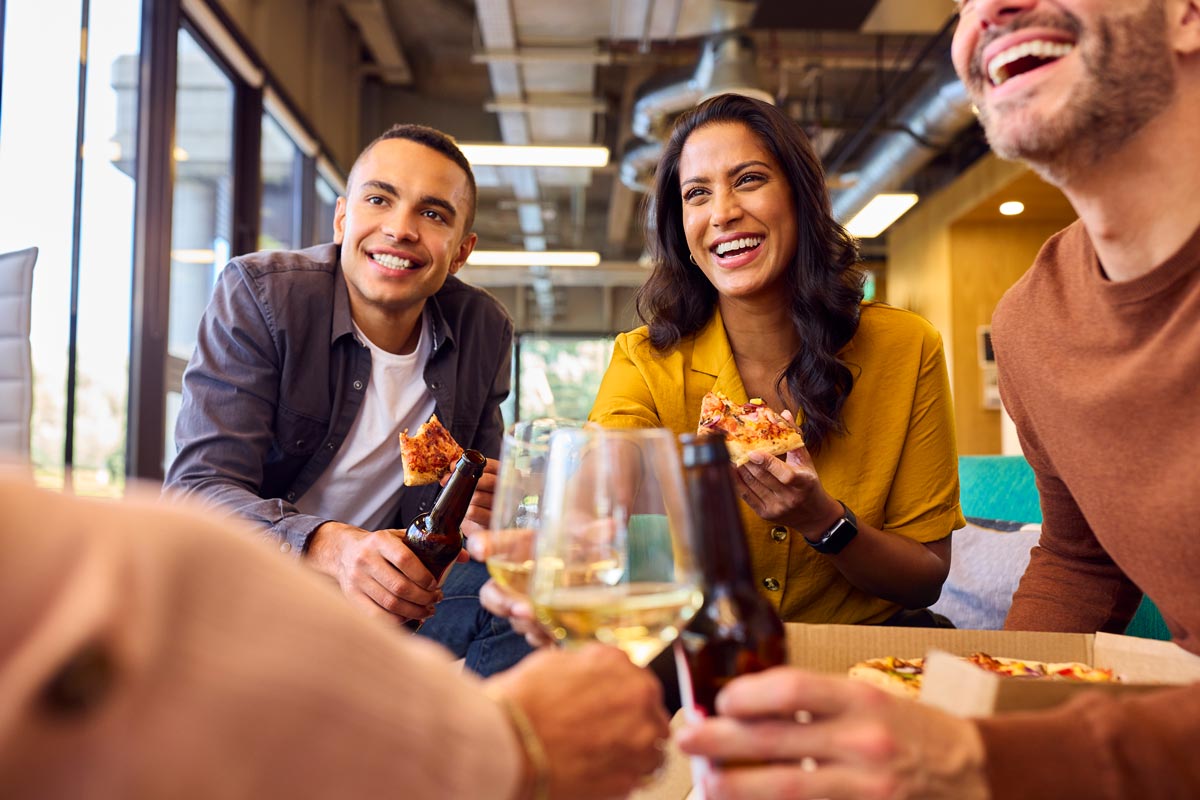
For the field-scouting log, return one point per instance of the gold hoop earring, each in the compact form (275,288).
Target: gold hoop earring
(692,258)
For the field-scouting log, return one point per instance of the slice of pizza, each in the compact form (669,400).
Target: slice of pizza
(747,427)
(428,455)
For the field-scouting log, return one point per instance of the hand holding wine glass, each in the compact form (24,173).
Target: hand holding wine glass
(507,546)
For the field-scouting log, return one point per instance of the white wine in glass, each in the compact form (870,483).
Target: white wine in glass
(613,559)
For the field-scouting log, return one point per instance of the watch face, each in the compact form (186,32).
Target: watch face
(840,535)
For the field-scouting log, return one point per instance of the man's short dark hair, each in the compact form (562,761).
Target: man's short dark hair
(435,140)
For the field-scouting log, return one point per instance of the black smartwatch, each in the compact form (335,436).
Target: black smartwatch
(840,534)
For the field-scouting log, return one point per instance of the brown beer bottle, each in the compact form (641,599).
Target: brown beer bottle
(436,537)
(736,631)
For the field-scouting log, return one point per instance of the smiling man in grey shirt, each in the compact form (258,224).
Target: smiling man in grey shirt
(309,363)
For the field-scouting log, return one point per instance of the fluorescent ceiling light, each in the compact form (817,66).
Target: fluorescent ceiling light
(882,211)
(534,258)
(506,155)
(1012,208)
(193,256)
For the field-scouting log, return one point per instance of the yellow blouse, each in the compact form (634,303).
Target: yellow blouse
(896,465)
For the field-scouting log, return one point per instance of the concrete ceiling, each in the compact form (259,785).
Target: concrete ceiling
(572,71)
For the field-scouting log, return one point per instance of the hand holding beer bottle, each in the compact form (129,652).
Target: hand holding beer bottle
(436,538)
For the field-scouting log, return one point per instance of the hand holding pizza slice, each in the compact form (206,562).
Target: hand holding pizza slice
(748,427)
(428,455)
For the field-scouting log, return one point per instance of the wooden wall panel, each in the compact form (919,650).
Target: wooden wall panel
(986,259)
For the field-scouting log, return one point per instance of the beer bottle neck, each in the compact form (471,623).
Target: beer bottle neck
(723,554)
(450,508)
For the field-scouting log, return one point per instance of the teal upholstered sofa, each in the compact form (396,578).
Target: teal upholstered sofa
(999,496)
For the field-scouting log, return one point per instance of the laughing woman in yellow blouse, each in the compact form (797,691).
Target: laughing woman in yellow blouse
(756,292)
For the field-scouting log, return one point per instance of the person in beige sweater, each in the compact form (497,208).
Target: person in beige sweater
(1098,351)
(147,651)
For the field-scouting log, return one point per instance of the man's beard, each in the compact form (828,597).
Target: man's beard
(1129,79)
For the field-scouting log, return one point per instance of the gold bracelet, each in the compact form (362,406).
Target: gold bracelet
(530,743)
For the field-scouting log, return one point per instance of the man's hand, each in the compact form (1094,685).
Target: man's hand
(600,719)
(376,570)
(479,512)
(517,609)
(863,742)
(516,545)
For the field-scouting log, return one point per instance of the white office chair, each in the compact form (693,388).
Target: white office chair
(16,368)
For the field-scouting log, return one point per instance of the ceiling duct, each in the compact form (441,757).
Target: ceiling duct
(727,65)
(927,124)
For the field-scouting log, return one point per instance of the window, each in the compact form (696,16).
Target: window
(202,214)
(558,376)
(106,247)
(89,241)
(323,208)
(281,165)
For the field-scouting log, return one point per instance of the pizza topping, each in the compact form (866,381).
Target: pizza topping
(907,673)
(428,455)
(748,426)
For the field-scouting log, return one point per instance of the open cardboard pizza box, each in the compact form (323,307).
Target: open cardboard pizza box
(962,688)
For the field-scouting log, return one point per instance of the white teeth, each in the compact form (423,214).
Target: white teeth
(1040,48)
(738,244)
(392,262)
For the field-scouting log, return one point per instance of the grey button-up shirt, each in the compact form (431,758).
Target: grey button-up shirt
(278,377)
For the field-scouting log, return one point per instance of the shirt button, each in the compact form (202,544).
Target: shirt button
(331,445)
(435,385)
(771,584)
(291,496)
(286,547)
(779,533)
(358,386)
(82,682)
(299,443)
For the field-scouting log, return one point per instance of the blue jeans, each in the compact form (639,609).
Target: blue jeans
(487,643)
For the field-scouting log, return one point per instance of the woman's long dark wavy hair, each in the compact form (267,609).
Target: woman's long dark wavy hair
(824,283)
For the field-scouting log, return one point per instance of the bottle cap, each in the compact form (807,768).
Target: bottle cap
(704,448)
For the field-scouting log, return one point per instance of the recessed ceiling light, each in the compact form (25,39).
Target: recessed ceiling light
(1012,208)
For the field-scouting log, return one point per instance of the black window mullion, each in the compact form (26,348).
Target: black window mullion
(247,167)
(305,208)
(76,234)
(153,197)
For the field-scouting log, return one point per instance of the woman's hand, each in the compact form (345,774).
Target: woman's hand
(787,492)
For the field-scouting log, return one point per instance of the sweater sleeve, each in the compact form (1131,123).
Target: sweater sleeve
(1071,583)
(1098,747)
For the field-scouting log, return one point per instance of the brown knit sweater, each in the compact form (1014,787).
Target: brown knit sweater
(1103,382)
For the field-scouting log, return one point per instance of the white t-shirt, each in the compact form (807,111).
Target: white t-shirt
(361,485)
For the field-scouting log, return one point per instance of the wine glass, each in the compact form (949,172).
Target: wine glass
(516,503)
(613,558)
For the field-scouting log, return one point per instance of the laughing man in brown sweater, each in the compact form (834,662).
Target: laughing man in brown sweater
(1098,348)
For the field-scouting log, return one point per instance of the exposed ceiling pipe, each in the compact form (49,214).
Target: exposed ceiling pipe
(927,124)
(727,64)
